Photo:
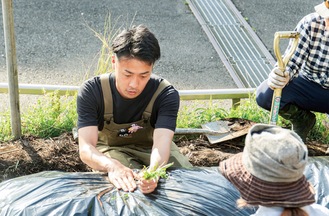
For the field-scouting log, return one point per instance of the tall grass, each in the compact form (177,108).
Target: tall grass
(110,30)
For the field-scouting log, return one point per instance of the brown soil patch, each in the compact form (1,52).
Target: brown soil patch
(31,154)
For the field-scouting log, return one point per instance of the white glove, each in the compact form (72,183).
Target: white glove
(278,79)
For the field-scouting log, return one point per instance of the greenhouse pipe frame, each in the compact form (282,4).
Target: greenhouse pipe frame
(11,62)
(201,94)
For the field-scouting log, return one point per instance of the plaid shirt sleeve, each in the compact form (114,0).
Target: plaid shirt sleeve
(311,57)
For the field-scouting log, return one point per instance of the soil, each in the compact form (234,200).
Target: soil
(32,154)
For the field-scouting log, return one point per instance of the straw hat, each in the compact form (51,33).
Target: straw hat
(269,171)
(323,9)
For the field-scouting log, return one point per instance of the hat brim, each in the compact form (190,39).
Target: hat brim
(259,192)
(322,10)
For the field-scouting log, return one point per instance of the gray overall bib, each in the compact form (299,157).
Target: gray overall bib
(133,150)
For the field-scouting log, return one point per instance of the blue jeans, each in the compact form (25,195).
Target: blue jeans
(301,92)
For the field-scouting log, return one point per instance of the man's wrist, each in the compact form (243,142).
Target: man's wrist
(109,166)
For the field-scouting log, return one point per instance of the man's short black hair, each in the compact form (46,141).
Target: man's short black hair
(137,42)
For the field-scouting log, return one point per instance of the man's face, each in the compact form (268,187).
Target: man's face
(131,75)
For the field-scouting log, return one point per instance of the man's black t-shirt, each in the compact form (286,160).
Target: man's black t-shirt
(90,105)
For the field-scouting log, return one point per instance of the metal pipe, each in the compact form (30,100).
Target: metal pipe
(206,94)
(201,94)
(9,34)
(180,131)
(37,89)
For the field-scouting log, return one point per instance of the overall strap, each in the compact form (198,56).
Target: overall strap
(147,113)
(108,101)
(107,97)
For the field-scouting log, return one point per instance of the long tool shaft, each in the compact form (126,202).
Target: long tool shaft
(281,64)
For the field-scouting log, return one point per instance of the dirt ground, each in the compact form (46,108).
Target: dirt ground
(31,154)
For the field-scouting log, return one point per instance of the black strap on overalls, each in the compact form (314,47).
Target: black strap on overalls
(108,100)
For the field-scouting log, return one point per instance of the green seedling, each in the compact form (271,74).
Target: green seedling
(158,172)
(124,197)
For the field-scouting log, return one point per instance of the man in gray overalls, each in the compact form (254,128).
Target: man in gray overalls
(127,119)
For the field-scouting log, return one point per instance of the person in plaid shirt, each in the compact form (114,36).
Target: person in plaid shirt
(305,82)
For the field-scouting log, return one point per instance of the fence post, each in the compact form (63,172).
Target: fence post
(9,34)
(235,103)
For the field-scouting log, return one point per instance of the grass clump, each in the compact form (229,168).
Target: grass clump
(319,132)
(198,113)
(248,109)
(51,116)
(156,173)
(104,63)
(5,126)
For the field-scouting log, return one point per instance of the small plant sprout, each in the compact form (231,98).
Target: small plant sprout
(156,172)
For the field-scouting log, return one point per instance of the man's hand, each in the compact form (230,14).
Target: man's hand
(278,79)
(148,178)
(121,176)
(148,186)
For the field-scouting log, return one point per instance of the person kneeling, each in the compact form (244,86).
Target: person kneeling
(269,173)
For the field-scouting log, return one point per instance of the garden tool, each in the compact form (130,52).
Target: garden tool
(220,131)
(282,65)
(217,128)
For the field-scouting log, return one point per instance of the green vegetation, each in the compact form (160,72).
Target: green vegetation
(158,172)
(110,30)
(54,114)
(51,116)
(196,114)
(104,64)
